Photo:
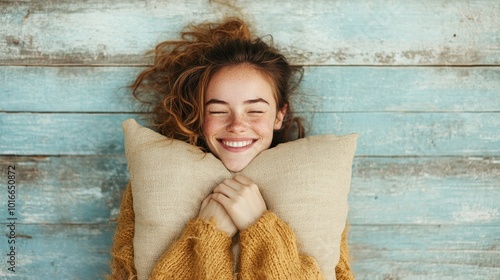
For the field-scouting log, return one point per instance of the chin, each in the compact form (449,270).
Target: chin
(235,166)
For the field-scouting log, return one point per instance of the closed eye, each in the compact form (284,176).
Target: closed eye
(217,112)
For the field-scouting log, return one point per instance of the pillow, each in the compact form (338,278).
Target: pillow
(305,182)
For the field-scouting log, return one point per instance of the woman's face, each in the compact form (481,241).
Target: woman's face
(240,115)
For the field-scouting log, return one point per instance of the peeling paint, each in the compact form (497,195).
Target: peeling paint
(475,214)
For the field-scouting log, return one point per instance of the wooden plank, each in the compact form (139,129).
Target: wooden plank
(341,33)
(67,89)
(325,89)
(402,89)
(416,134)
(385,252)
(60,252)
(53,134)
(395,191)
(424,238)
(381,134)
(425,252)
(67,189)
(425,191)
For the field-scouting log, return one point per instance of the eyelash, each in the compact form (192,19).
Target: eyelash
(224,112)
(217,112)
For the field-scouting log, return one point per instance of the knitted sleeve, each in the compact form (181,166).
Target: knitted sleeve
(122,252)
(343,269)
(202,252)
(269,251)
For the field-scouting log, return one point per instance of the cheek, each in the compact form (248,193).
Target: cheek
(210,126)
(263,127)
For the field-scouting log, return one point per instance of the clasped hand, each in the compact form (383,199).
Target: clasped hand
(235,204)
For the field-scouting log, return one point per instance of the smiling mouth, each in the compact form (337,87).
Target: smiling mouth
(237,144)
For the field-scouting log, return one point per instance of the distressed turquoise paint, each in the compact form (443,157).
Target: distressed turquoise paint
(395,191)
(67,190)
(60,252)
(424,194)
(325,89)
(381,134)
(313,32)
(67,89)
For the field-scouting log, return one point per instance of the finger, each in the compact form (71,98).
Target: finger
(232,183)
(243,180)
(222,200)
(205,201)
(225,190)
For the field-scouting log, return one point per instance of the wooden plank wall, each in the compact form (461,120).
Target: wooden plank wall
(418,80)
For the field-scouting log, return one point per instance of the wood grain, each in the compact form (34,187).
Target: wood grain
(379,252)
(419,82)
(59,194)
(56,251)
(384,191)
(381,134)
(324,89)
(313,32)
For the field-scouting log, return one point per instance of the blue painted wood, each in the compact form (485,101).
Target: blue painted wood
(55,251)
(372,32)
(81,252)
(325,89)
(425,186)
(67,89)
(425,252)
(67,190)
(425,191)
(382,134)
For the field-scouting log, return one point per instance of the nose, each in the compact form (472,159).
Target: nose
(237,124)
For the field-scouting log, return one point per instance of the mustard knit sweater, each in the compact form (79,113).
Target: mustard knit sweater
(268,251)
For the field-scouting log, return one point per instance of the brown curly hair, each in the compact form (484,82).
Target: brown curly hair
(175,85)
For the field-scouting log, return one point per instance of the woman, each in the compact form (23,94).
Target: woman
(228,93)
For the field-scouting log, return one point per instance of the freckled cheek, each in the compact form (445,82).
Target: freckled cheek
(211,126)
(263,128)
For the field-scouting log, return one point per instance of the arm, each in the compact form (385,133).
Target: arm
(198,236)
(202,252)
(269,251)
(268,246)
(343,269)
(122,252)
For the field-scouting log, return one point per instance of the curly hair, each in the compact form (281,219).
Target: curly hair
(175,84)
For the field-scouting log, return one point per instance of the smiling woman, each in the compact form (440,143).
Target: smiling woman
(226,92)
(241,115)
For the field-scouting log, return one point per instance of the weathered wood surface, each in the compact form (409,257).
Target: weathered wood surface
(424,191)
(324,89)
(383,134)
(62,251)
(412,242)
(419,81)
(311,32)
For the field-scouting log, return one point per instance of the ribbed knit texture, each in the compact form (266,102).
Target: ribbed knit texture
(122,252)
(268,251)
(202,252)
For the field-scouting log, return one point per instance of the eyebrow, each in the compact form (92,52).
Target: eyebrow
(250,101)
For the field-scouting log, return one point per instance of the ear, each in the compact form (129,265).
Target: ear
(280,115)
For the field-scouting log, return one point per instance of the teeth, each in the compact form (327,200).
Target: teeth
(237,144)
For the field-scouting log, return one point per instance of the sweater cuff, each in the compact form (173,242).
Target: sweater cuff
(261,227)
(207,233)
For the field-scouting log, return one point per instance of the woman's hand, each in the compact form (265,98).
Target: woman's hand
(212,209)
(242,200)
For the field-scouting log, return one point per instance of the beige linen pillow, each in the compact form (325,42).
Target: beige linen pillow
(305,182)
